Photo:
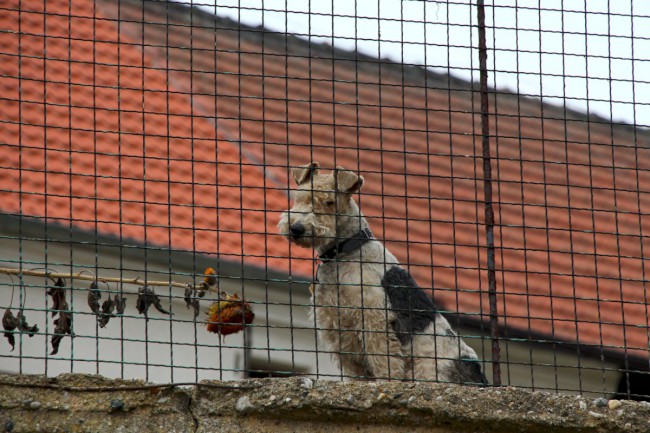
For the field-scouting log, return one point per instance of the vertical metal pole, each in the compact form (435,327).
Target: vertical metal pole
(487,191)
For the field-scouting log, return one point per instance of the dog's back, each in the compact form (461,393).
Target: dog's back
(434,350)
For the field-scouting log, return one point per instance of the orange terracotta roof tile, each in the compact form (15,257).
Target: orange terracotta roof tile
(89,144)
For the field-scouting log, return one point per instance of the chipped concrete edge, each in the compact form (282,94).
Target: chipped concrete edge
(88,403)
(84,403)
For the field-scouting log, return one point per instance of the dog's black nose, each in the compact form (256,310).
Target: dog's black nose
(297,230)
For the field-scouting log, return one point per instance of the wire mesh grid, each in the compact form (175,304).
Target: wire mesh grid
(151,148)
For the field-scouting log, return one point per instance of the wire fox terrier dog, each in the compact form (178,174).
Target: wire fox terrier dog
(369,311)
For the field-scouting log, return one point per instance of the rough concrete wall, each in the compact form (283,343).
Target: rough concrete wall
(80,403)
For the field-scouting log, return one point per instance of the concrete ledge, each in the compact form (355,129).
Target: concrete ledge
(285,405)
(81,403)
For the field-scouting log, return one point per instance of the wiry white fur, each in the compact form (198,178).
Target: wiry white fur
(352,311)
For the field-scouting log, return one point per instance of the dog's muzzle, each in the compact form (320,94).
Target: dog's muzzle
(296,230)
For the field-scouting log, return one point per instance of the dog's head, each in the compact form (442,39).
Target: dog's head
(322,206)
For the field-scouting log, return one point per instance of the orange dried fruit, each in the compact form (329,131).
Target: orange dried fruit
(229,315)
(210,278)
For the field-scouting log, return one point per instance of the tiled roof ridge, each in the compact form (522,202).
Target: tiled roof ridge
(414,74)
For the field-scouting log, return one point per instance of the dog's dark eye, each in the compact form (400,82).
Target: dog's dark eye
(330,203)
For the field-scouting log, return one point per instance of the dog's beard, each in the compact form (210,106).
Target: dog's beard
(315,234)
(304,241)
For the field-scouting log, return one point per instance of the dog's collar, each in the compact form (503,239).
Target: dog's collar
(347,245)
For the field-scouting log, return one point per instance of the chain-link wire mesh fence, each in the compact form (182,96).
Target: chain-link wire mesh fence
(147,158)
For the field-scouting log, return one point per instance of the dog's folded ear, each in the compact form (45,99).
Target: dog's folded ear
(304,173)
(347,181)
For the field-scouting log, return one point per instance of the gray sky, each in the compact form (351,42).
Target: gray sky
(594,54)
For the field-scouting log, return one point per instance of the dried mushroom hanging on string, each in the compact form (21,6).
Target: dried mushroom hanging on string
(108,307)
(94,295)
(191,301)
(63,324)
(146,298)
(57,292)
(11,323)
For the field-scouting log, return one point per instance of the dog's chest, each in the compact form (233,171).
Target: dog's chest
(350,272)
(348,284)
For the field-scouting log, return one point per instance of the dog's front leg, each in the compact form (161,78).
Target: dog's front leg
(341,341)
(384,358)
(351,357)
